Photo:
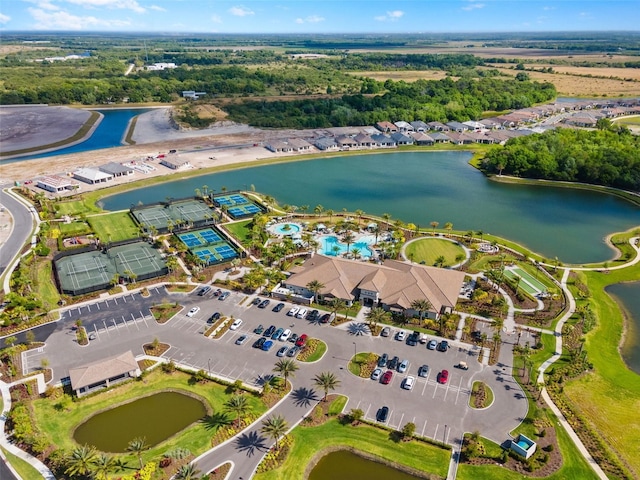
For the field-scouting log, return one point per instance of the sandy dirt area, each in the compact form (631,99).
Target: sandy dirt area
(224,143)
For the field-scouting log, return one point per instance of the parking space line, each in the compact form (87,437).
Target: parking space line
(135,322)
(400,423)
(424,427)
(447,391)
(125,299)
(125,322)
(459,390)
(98,305)
(426,382)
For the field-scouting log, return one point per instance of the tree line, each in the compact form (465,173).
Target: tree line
(608,157)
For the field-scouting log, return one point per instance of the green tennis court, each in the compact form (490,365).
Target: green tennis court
(527,282)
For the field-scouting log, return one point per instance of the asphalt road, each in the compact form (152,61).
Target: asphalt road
(22,227)
(439,411)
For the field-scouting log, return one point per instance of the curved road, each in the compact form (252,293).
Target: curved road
(22,228)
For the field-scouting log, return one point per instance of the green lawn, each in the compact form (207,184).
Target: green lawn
(427,250)
(308,441)
(337,405)
(321,349)
(75,207)
(114,226)
(47,290)
(73,229)
(241,231)
(24,469)
(59,426)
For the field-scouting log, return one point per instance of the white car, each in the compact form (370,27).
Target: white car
(293,311)
(193,311)
(301,313)
(236,324)
(285,335)
(376,374)
(400,335)
(408,382)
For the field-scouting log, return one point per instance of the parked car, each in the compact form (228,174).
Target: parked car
(278,307)
(302,340)
(443,346)
(257,301)
(313,315)
(293,311)
(241,339)
(408,382)
(382,361)
(236,324)
(301,313)
(400,335)
(382,414)
(443,376)
(277,333)
(265,303)
(386,377)
(325,318)
(285,335)
(217,293)
(376,374)
(266,346)
(223,296)
(432,345)
(213,317)
(393,363)
(258,330)
(423,371)
(386,331)
(293,338)
(193,311)
(259,342)
(412,339)
(204,290)
(402,367)
(282,351)
(93,336)
(293,351)
(269,331)
(462,366)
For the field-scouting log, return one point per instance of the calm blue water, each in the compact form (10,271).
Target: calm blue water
(628,297)
(330,243)
(421,187)
(109,133)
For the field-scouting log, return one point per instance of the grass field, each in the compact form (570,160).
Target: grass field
(76,207)
(427,250)
(241,231)
(74,229)
(47,291)
(197,438)
(308,441)
(406,75)
(114,226)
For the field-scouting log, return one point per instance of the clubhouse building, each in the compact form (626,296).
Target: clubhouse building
(391,285)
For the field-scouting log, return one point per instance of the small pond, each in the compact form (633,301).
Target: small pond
(628,297)
(156,418)
(345,465)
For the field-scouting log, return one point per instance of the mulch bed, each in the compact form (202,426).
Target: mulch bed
(164,313)
(156,351)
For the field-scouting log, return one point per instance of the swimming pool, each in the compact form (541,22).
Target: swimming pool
(285,228)
(330,245)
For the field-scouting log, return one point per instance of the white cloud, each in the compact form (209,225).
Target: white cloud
(390,16)
(310,19)
(216,19)
(4,18)
(121,4)
(549,8)
(44,4)
(240,11)
(157,8)
(473,6)
(62,20)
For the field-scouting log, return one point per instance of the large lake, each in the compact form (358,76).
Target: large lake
(628,297)
(421,187)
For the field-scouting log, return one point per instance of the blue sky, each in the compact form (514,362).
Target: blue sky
(319,16)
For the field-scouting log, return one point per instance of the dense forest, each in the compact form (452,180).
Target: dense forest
(609,157)
(426,100)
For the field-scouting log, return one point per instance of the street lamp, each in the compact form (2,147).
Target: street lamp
(209,366)
(444,438)
(355,350)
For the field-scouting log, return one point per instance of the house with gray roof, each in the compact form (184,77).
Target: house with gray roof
(457,126)
(175,163)
(383,141)
(116,169)
(421,138)
(419,126)
(92,175)
(326,144)
(438,127)
(364,141)
(346,143)
(439,137)
(401,139)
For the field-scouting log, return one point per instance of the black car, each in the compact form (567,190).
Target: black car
(214,317)
(393,363)
(412,339)
(256,301)
(382,361)
(264,303)
(313,315)
(325,318)
(278,307)
(293,337)
(259,342)
(204,290)
(382,414)
(443,346)
(258,330)
(269,331)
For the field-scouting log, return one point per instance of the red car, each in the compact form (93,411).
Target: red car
(386,377)
(302,339)
(443,376)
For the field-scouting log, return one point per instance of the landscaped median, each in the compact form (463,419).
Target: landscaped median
(312,351)
(363,364)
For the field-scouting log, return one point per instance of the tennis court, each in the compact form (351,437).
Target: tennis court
(156,216)
(237,205)
(209,245)
(160,216)
(200,237)
(215,254)
(84,272)
(192,210)
(139,258)
(527,282)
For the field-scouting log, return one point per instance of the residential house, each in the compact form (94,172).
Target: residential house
(457,127)
(383,141)
(56,184)
(103,373)
(175,163)
(116,169)
(422,138)
(279,146)
(92,176)
(346,143)
(438,127)
(403,126)
(419,126)
(439,137)
(386,127)
(364,141)
(299,145)
(326,144)
(459,138)
(401,139)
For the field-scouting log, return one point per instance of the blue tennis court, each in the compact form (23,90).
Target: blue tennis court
(210,236)
(190,240)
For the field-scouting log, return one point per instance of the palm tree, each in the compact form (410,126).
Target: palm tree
(480,234)
(81,461)
(377,315)
(275,426)
(315,286)
(376,232)
(330,213)
(318,210)
(440,260)
(356,252)
(422,306)
(104,465)
(336,304)
(187,472)
(448,227)
(434,225)
(386,218)
(137,446)
(237,405)
(359,213)
(286,367)
(348,238)
(327,381)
